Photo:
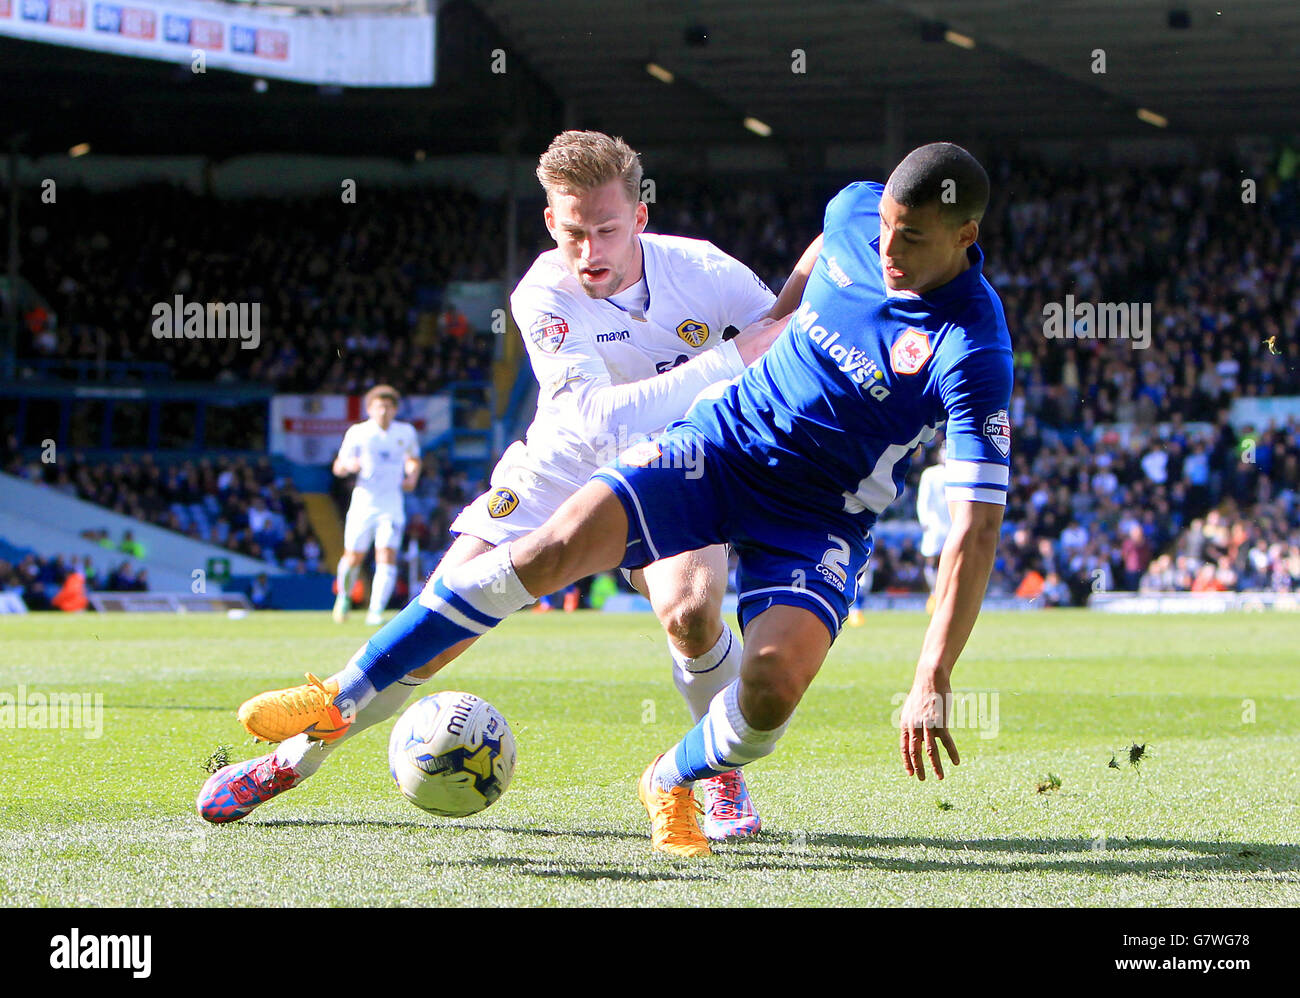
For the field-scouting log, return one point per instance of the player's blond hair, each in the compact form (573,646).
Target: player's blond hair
(578,162)
(382,392)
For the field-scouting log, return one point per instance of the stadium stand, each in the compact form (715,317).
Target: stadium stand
(1125,451)
(351,295)
(52,529)
(240,506)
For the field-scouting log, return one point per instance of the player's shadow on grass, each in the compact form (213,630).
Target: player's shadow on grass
(285,823)
(568,869)
(835,851)
(582,833)
(449,825)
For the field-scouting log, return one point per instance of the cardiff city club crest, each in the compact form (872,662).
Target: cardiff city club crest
(501,502)
(998,429)
(694,333)
(910,352)
(640,455)
(548,332)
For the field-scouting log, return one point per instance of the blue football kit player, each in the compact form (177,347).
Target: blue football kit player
(897,332)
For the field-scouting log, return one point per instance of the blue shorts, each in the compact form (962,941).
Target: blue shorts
(682,493)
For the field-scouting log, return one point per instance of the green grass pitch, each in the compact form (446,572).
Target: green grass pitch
(1208,817)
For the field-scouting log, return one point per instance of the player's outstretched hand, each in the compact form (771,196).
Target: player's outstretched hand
(923,723)
(754,339)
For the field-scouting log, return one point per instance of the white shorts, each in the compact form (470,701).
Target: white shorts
(517,502)
(368,523)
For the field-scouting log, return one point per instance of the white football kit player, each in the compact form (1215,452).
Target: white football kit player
(377,512)
(932,510)
(612,371)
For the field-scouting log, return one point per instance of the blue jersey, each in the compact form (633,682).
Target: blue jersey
(831,413)
(792,464)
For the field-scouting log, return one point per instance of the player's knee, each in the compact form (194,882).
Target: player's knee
(693,625)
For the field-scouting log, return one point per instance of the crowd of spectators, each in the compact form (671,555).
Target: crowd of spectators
(242,506)
(349,293)
(1222,279)
(61,582)
(1183,502)
(1178,508)
(1176,500)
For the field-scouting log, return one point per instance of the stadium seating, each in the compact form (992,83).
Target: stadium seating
(341,286)
(357,299)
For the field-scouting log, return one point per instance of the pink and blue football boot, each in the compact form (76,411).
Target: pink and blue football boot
(729,811)
(233,791)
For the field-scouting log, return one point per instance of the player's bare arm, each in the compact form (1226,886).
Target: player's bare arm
(345,466)
(792,291)
(964,569)
(755,339)
(410,474)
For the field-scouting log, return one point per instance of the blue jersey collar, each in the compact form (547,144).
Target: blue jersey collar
(964,284)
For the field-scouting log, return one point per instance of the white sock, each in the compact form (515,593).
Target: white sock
(346,574)
(488,583)
(381,588)
(700,679)
(723,740)
(306,755)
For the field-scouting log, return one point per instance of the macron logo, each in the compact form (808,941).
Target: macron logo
(99,952)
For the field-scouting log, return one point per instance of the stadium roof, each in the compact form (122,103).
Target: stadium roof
(1232,70)
(1031,74)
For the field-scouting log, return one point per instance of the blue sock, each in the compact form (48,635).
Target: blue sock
(722,740)
(692,759)
(467,601)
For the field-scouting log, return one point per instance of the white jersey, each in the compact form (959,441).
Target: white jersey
(383,455)
(607,375)
(932,509)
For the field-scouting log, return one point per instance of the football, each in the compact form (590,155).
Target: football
(451,754)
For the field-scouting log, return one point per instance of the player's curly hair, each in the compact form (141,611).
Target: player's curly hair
(578,162)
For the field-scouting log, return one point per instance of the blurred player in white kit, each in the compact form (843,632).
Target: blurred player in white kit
(384,454)
(936,522)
